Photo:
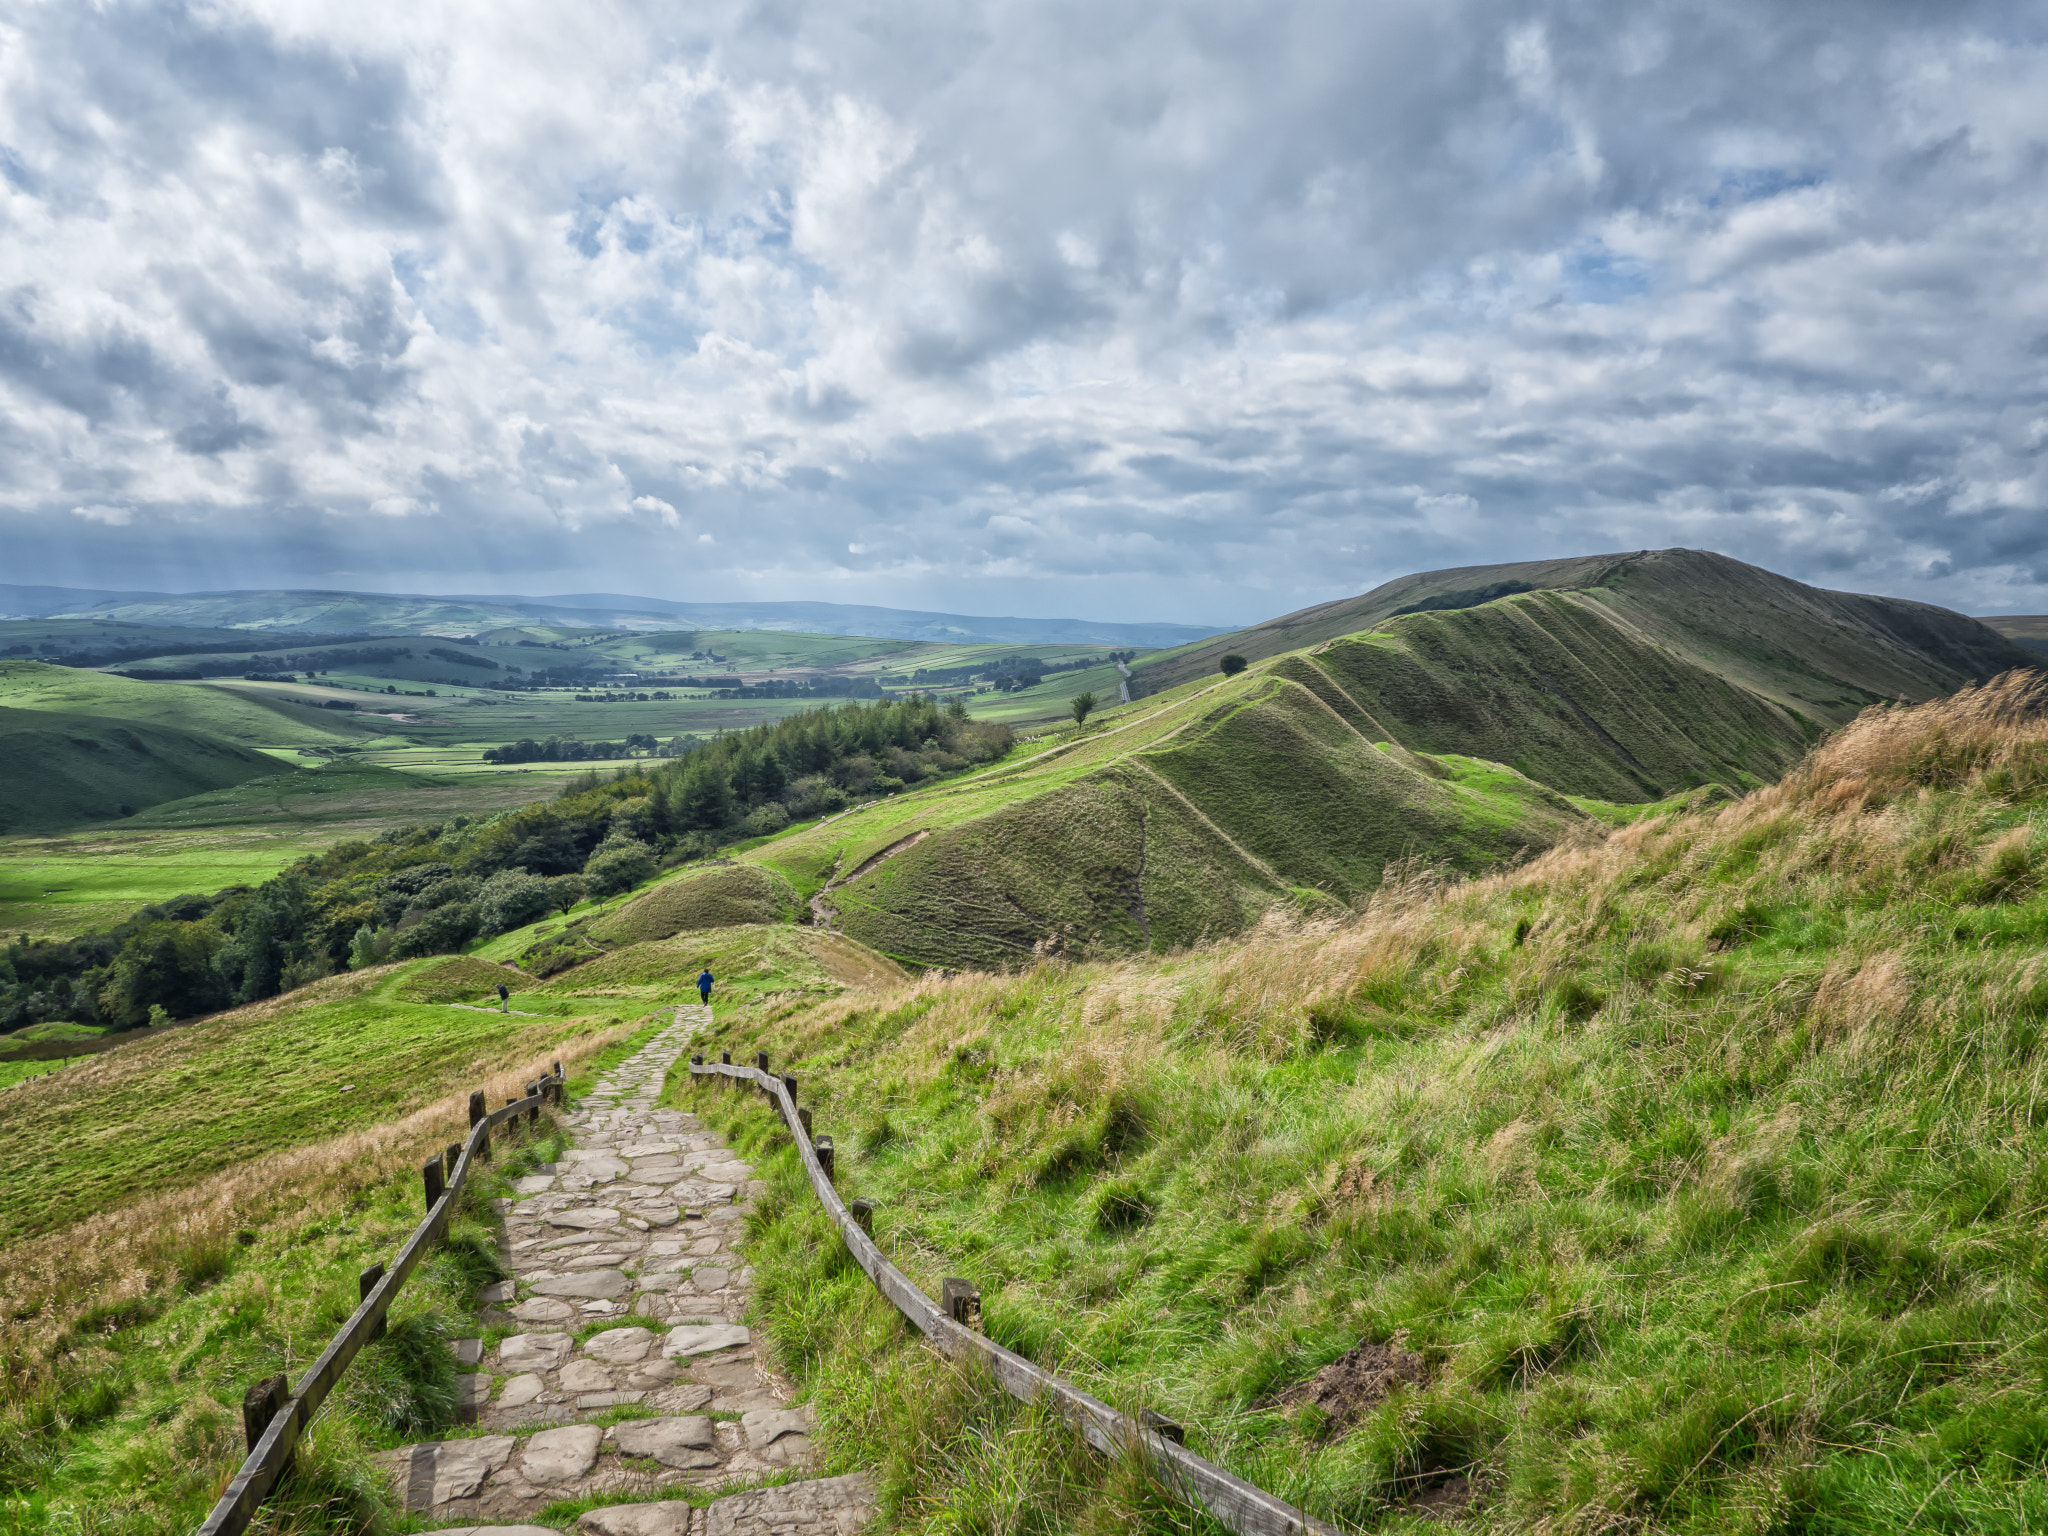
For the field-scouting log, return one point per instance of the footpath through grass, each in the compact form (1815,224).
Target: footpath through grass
(1688,1179)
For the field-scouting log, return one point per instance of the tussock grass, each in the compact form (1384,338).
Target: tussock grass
(1702,1162)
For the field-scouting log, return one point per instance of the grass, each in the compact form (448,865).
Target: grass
(228,715)
(121,1408)
(59,886)
(1823,655)
(1699,1163)
(343,1054)
(1171,821)
(64,769)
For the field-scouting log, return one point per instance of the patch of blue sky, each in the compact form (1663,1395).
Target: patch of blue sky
(1594,274)
(656,328)
(1756,184)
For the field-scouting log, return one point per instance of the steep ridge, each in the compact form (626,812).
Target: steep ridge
(1554,683)
(1629,679)
(1826,654)
(1182,823)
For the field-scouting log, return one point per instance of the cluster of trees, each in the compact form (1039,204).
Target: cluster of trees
(817,762)
(432,888)
(568,749)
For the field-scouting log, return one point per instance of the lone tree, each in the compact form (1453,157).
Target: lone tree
(1083,706)
(1232,664)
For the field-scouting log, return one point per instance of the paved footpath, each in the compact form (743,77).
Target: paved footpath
(642,1222)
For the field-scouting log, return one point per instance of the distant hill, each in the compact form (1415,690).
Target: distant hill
(2029,631)
(237,717)
(63,769)
(1824,654)
(338,613)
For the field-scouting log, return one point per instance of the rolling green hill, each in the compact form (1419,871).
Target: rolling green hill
(1824,654)
(66,769)
(239,717)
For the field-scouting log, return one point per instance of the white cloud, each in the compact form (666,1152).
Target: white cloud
(1139,309)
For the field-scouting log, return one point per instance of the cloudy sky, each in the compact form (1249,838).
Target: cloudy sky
(1191,311)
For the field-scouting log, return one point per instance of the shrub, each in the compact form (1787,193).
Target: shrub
(442,930)
(618,867)
(1232,664)
(511,899)
(768,820)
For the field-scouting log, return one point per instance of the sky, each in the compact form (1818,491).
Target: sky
(1196,312)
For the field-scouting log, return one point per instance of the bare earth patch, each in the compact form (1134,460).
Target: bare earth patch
(1355,1383)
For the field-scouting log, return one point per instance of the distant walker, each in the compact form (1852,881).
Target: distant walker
(504,998)
(704,985)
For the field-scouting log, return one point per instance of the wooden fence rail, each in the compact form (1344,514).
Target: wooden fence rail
(1245,1509)
(276,1420)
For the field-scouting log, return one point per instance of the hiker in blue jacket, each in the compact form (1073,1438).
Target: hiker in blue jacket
(704,985)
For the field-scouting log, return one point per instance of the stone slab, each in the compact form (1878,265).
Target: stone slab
(534,1351)
(704,1339)
(620,1346)
(560,1455)
(685,1443)
(829,1506)
(595,1284)
(588,1217)
(666,1517)
(543,1310)
(521,1390)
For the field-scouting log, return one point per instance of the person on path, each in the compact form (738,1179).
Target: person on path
(704,985)
(504,998)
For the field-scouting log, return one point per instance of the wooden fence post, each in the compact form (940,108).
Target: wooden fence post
(863,1213)
(259,1406)
(479,1107)
(725,1058)
(803,1118)
(761,1060)
(430,1175)
(962,1303)
(1162,1426)
(452,1156)
(366,1282)
(533,1113)
(823,1147)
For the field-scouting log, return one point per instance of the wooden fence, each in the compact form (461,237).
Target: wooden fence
(1247,1510)
(275,1419)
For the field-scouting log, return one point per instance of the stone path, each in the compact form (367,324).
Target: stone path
(639,1232)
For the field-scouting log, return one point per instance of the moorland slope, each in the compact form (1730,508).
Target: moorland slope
(1824,654)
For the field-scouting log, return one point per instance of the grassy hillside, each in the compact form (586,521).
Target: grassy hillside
(65,769)
(1550,682)
(1823,654)
(179,1104)
(242,718)
(1689,1180)
(1179,819)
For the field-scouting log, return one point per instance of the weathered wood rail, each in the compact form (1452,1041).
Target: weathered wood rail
(1244,1508)
(275,1419)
